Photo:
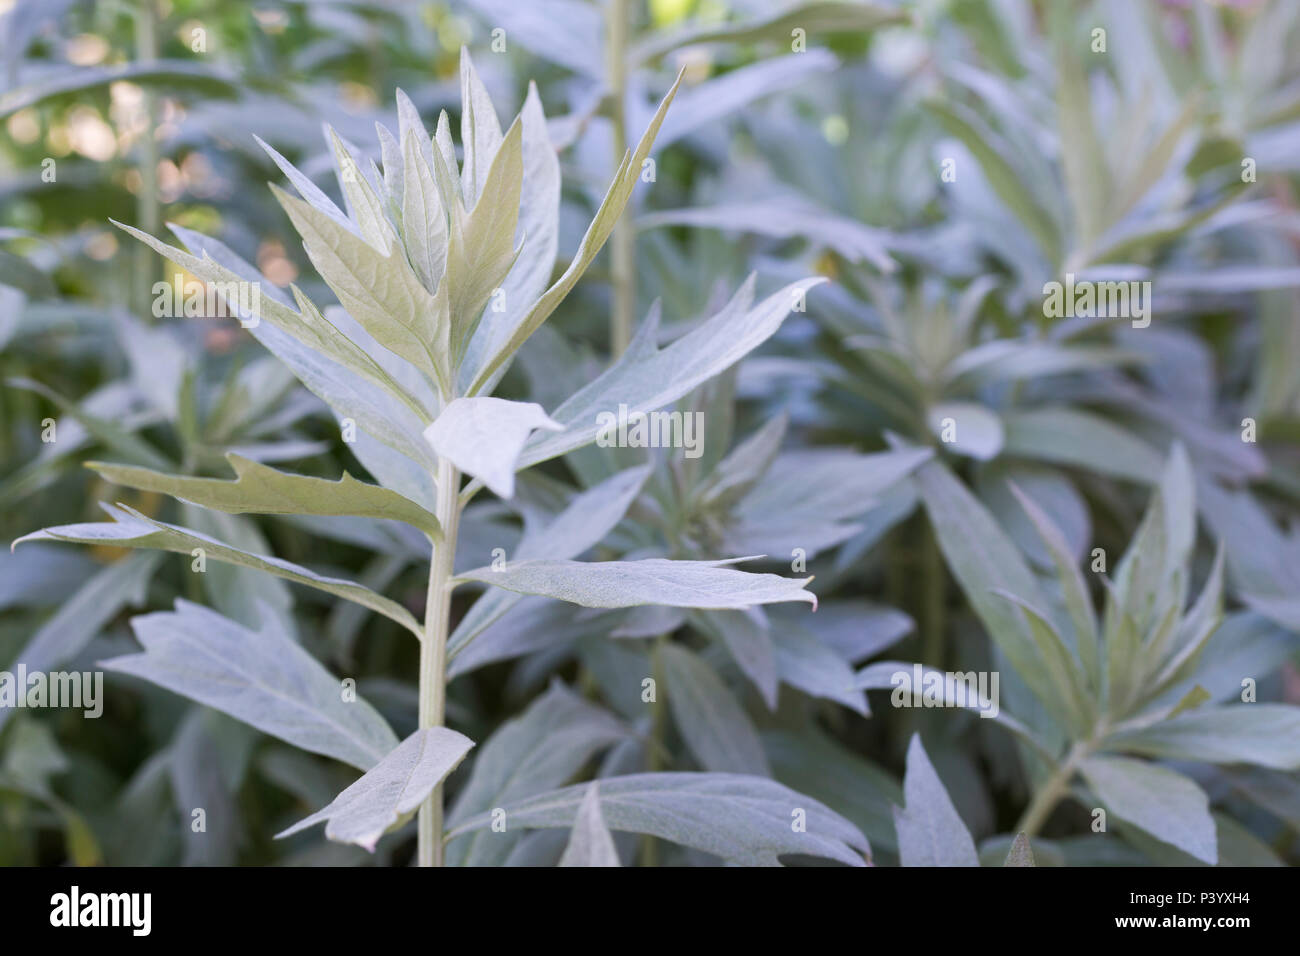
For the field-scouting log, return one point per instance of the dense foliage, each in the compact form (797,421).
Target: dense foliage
(650,433)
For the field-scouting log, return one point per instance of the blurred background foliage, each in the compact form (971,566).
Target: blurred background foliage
(779,156)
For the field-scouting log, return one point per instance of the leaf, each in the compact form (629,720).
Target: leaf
(424,220)
(481,247)
(480,131)
(803,661)
(538,231)
(1020,853)
(646,378)
(930,833)
(748,639)
(483,437)
(130,529)
(261,677)
(590,844)
(538,750)
(704,584)
(620,191)
(377,287)
(983,560)
(816,17)
(712,724)
(84,614)
(1263,734)
(742,819)
(1070,437)
(976,430)
(1166,804)
(173,76)
(990,151)
(785,218)
(587,519)
(258,489)
(391,790)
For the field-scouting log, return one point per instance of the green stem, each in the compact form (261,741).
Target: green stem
(433,651)
(934,600)
(1045,801)
(148,210)
(655,748)
(623,241)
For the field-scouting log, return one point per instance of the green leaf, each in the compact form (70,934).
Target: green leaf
(377,287)
(130,529)
(590,843)
(390,791)
(536,751)
(424,220)
(481,245)
(703,584)
(976,429)
(173,76)
(259,489)
(1165,804)
(1263,734)
(930,833)
(646,378)
(1067,436)
(1020,853)
(484,436)
(713,725)
(620,191)
(816,17)
(742,819)
(261,677)
(1008,182)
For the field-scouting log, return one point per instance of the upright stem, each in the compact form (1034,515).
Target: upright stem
(934,600)
(433,650)
(1045,801)
(148,213)
(623,241)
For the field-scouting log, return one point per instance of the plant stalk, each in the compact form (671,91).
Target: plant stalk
(148,210)
(433,651)
(623,241)
(1045,801)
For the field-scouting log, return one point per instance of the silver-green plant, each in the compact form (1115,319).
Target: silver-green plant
(1092,695)
(443,272)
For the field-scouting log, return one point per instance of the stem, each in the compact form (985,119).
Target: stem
(655,748)
(1045,801)
(433,651)
(623,241)
(148,212)
(934,579)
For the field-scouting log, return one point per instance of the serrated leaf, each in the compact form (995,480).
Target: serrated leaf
(259,489)
(261,677)
(391,790)
(131,529)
